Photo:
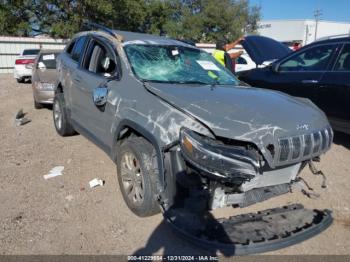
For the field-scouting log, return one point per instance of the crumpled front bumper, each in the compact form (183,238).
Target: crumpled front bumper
(251,233)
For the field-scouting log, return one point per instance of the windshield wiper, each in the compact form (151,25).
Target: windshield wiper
(176,82)
(195,82)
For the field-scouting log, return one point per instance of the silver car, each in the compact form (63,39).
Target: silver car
(43,77)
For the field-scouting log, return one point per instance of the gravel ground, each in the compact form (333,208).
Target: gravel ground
(63,215)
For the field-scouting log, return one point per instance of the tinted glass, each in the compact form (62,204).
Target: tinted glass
(70,47)
(78,48)
(343,63)
(177,64)
(313,59)
(100,61)
(49,60)
(31,51)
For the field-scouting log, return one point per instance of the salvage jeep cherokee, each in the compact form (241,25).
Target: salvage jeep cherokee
(187,138)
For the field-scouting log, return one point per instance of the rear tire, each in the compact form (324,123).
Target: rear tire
(136,176)
(61,116)
(20,80)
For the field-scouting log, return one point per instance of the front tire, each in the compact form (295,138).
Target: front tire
(137,177)
(20,80)
(61,116)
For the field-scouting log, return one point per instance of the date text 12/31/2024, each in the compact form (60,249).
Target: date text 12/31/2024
(172,258)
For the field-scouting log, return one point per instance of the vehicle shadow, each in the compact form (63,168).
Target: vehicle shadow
(166,241)
(341,139)
(188,229)
(48,106)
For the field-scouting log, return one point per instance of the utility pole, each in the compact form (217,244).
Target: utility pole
(317,14)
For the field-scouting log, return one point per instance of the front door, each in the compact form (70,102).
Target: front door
(334,91)
(97,75)
(300,74)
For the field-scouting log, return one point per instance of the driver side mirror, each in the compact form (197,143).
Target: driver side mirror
(275,67)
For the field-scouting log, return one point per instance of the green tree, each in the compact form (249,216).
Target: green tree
(15,17)
(209,20)
(198,20)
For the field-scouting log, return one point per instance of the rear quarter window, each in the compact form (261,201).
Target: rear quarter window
(78,48)
(70,47)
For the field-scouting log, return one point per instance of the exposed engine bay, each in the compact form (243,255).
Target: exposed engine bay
(219,175)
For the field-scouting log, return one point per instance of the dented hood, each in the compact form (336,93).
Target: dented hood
(243,113)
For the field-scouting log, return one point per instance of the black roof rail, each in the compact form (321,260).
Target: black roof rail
(94,26)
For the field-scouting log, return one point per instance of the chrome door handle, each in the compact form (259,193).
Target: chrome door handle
(309,81)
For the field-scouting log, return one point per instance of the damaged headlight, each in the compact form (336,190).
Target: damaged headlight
(45,86)
(218,159)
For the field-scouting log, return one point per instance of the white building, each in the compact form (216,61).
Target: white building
(302,31)
(11,47)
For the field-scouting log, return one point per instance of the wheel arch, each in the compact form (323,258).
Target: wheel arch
(125,129)
(59,88)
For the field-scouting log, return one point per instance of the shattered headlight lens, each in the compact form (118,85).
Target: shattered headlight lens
(45,86)
(217,158)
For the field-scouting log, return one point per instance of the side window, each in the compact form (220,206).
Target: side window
(70,47)
(49,60)
(241,61)
(100,60)
(78,48)
(312,59)
(343,63)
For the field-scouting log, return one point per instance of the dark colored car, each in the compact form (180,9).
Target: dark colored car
(319,71)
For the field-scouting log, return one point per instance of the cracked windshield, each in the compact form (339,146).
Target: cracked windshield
(177,64)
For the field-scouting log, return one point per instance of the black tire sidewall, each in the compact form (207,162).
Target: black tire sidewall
(66,128)
(149,205)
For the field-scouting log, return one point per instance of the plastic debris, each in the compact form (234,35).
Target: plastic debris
(56,171)
(69,198)
(20,118)
(96,182)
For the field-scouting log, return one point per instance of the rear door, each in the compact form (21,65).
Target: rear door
(73,78)
(300,74)
(99,72)
(334,91)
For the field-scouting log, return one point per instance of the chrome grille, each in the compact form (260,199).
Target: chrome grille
(284,149)
(299,148)
(296,142)
(324,139)
(317,142)
(307,145)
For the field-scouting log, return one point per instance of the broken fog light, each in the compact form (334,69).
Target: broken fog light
(218,159)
